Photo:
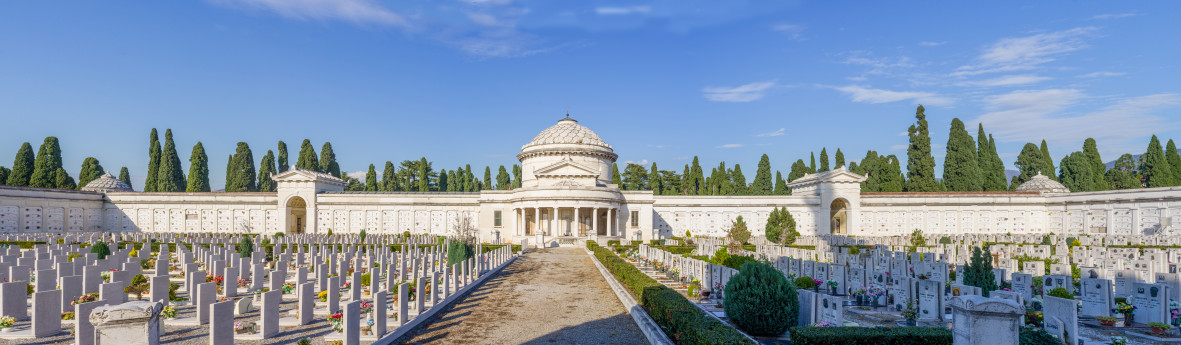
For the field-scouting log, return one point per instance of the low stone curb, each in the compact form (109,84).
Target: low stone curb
(429,313)
(648,326)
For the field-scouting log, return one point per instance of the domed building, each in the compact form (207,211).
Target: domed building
(106,183)
(1042,184)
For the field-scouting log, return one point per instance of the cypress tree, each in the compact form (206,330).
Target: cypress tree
(852,166)
(762,185)
(328,160)
(869,168)
(1098,168)
(153,162)
(517,176)
(469,183)
(780,184)
(824,159)
(654,182)
(979,273)
(424,176)
(738,187)
(1155,170)
(961,172)
(198,170)
(283,166)
(63,180)
(242,177)
(125,176)
(22,167)
(840,160)
(4,174)
(615,178)
(920,165)
(371,179)
(798,170)
(891,175)
(387,177)
(265,169)
(91,171)
(812,164)
(503,181)
(307,157)
(1123,175)
(998,166)
(454,183)
(230,169)
(49,159)
(443,183)
(1174,160)
(170,178)
(1076,172)
(1049,161)
(488,177)
(992,171)
(696,183)
(1029,163)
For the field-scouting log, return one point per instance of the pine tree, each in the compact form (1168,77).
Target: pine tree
(91,171)
(891,175)
(781,227)
(738,185)
(283,166)
(654,182)
(1076,172)
(615,178)
(1123,175)
(1049,161)
(979,273)
(49,159)
(1174,160)
(635,177)
(242,176)
(153,162)
(780,184)
(961,172)
(328,160)
(22,167)
(389,182)
(1155,170)
(503,181)
(824,159)
(62,180)
(840,160)
(762,185)
(125,176)
(371,179)
(307,157)
(852,165)
(812,164)
(198,170)
(1098,168)
(920,165)
(170,178)
(266,168)
(798,170)
(424,175)
(1029,163)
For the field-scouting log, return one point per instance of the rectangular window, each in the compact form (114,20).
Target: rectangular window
(635,219)
(496,221)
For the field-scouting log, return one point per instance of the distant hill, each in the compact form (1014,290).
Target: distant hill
(1009,174)
(1111,164)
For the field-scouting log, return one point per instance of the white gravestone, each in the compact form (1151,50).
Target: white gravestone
(1096,297)
(982,320)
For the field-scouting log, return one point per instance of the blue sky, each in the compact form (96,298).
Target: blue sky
(471,81)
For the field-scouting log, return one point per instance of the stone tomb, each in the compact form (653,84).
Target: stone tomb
(982,320)
(132,323)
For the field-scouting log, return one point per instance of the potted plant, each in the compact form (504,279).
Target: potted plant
(911,314)
(337,322)
(6,323)
(832,285)
(816,283)
(1159,327)
(1128,310)
(1106,320)
(859,296)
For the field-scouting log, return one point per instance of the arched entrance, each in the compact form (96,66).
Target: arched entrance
(838,219)
(296,215)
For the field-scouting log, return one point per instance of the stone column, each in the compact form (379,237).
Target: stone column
(577,222)
(983,320)
(595,223)
(537,221)
(553,220)
(611,222)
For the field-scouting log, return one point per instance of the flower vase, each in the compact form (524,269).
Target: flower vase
(834,290)
(1129,319)
(911,322)
(860,300)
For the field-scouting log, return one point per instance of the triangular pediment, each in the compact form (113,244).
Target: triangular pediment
(296,174)
(566,167)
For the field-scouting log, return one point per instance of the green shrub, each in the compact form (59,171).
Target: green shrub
(362,236)
(720,256)
(805,283)
(870,336)
(1119,300)
(277,234)
(245,247)
(101,249)
(736,261)
(458,252)
(945,240)
(760,301)
(917,239)
(365,279)
(612,243)
(1032,335)
(1060,293)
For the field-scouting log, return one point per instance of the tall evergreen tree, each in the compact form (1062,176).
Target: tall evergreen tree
(469,180)
(1076,172)
(1174,160)
(869,168)
(125,176)
(442,183)
(153,162)
(265,169)
(738,180)
(389,182)
(488,177)
(4,174)
(812,164)
(503,181)
(328,160)
(49,159)
(961,172)
(840,160)
(762,185)
(992,169)
(454,183)
(22,167)
(920,165)
(91,171)
(891,171)
(63,180)
(170,178)
(781,185)
(635,177)
(998,166)
(307,157)
(1098,168)
(371,179)
(424,175)
(979,272)
(517,176)
(1029,163)
(283,166)
(696,183)
(198,170)
(1052,174)
(1155,170)
(824,159)
(615,178)
(654,181)
(1123,175)
(230,169)
(242,177)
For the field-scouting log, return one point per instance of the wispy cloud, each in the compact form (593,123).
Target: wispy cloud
(623,10)
(870,95)
(794,32)
(360,175)
(774,133)
(356,11)
(1008,80)
(743,93)
(932,44)
(1025,53)
(641,162)
(1113,16)
(730,146)
(1101,74)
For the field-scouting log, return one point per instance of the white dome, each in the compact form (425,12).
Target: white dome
(567,131)
(107,183)
(1041,183)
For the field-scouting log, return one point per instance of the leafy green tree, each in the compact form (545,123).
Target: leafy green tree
(738,181)
(283,166)
(1076,172)
(762,184)
(1049,161)
(670,183)
(170,178)
(1029,163)
(798,170)
(781,227)
(266,168)
(458,251)
(1124,175)
(354,185)
(371,179)
(125,176)
(780,185)
(920,166)
(242,176)
(389,181)
(615,178)
(868,168)
(307,157)
(1155,170)
(1098,168)
(101,249)
(91,171)
(840,160)
(49,159)
(824,159)
(246,247)
(635,177)
(979,273)
(1174,160)
(503,181)
(63,180)
(328,163)
(917,239)
(961,170)
(153,162)
(198,170)
(138,286)
(230,169)
(22,167)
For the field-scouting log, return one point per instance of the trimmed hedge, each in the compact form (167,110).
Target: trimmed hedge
(809,335)
(683,322)
(21,244)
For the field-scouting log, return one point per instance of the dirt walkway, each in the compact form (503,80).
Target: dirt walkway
(548,296)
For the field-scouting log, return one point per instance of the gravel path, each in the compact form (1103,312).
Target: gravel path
(548,296)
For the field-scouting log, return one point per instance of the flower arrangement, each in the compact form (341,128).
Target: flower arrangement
(105,276)
(910,312)
(214,279)
(346,286)
(90,297)
(169,312)
(69,315)
(832,284)
(1124,308)
(366,307)
(288,288)
(337,321)
(818,282)
(242,282)
(1033,317)
(1106,320)
(323,296)
(7,321)
(923,276)
(824,323)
